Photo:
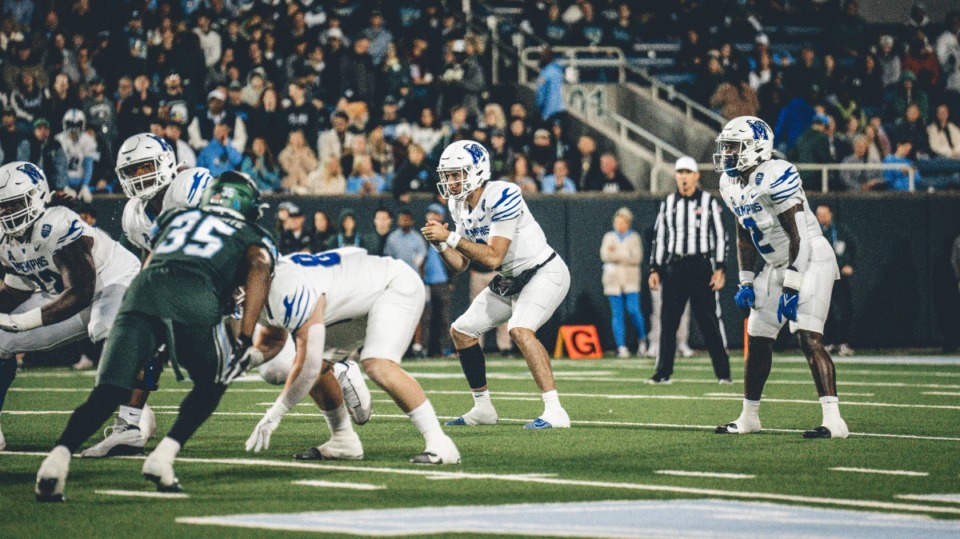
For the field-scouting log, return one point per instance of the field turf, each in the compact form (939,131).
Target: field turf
(902,417)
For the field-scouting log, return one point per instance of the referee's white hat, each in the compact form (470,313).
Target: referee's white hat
(686,163)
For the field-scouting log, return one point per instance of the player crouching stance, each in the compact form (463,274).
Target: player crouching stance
(64,281)
(775,220)
(179,299)
(318,297)
(497,230)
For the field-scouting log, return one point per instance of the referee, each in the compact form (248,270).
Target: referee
(688,255)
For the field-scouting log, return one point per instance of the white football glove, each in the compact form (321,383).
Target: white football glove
(260,439)
(7,323)
(21,322)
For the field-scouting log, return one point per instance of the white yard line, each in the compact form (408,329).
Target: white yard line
(907,473)
(335,484)
(606,485)
(941,393)
(942,498)
(718,475)
(143,494)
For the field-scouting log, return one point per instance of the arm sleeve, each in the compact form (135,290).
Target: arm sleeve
(720,233)
(312,364)
(657,245)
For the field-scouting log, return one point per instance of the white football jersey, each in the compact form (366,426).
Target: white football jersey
(76,151)
(503,212)
(773,187)
(184,192)
(29,264)
(350,279)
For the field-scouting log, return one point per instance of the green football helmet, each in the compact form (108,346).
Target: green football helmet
(234,194)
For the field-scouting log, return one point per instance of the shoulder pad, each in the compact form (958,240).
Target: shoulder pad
(779,179)
(291,299)
(186,189)
(60,226)
(503,200)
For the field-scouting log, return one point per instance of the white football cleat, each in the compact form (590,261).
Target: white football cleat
(439,451)
(556,420)
(148,423)
(651,351)
(740,426)
(623,352)
(356,394)
(685,350)
(642,348)
(343,446)
(52,476)
(123,439)
(476,416)
(160,472)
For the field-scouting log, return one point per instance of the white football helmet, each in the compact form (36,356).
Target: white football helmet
(74,122)
(145,165)
(24,194)
(744,142)
(464,166)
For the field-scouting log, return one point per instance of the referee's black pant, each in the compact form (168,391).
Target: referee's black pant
(683,279)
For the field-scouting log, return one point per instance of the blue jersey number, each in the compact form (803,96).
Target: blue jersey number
(323,259)
(750,224)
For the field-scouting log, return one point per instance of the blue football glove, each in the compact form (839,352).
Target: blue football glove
(788,305)
(745,297)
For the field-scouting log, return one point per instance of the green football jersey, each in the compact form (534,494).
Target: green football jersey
(198,261)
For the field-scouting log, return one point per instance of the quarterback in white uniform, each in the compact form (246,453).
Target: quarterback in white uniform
(149,175)
(496,229)
(80,149)
(774,219)
(64,280)
(342,299)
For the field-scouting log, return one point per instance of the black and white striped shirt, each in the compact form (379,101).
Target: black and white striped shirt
(689,226)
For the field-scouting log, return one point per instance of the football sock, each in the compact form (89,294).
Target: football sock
(751,409)
(338,420)
(87,418)
(425,419)
(474,366)
(196,408)
(481,399)
(130,414)
(551,401)
(166,450)
(8,371)
(831,409)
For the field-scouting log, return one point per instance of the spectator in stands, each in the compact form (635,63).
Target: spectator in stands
(839,320)
(518,138)
(10,136)
(348,235)
(907,94)
(260,165)
(363,179)
(333,141)
(29,99)
(462,80)
(380,38)
(912,127)
(325,232)
(948,51)
(357,149)
(860,180)
(839,147)
(44,151)
(327,179)
(763,72)
(621,252)
(589,30)
(406,244)
(889,62)
(559,181)
(611,179)
(63,98)
(806,73)
(587,172)
(173,134)
(493,118)
(772,97)
(624,31)
(813,146)
(553,29)
(219,155)
(944,135)
(850,35)
(561,146)
(795,118)
(357,72)
(520,174)
(549,87)
(898,180)
(210,41)
(541,153)
(202,127)
(414,176)
(267,121)
(375,242)
(866,84)
(735,99)
(918,21)
(425,132)
(922,62)
(101,111)
(300,114)
(295,237)
(712,77)
(500,154)
(297,161)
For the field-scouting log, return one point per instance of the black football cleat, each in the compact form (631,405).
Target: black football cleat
(46,491)
(819,432)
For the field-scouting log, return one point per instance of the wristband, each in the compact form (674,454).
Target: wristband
(792,279)
(439,248)
(747,277)
(28,320)
(452,240)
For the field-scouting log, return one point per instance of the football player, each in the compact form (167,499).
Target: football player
(80,150)
(63,281)
(201,256)
(774,219)
(342,299)
(496,229)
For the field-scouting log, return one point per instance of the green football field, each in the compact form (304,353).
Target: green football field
(651,446)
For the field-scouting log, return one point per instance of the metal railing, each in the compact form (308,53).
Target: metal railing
(571,57)
(659,91)
(824,169)
(663,151)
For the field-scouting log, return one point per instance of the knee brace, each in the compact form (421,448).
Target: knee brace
(151,373)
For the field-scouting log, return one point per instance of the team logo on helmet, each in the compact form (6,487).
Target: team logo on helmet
(32,172)
(163,144)
(759,130)
(476,153)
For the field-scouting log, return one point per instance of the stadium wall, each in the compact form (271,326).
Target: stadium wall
(902,276)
